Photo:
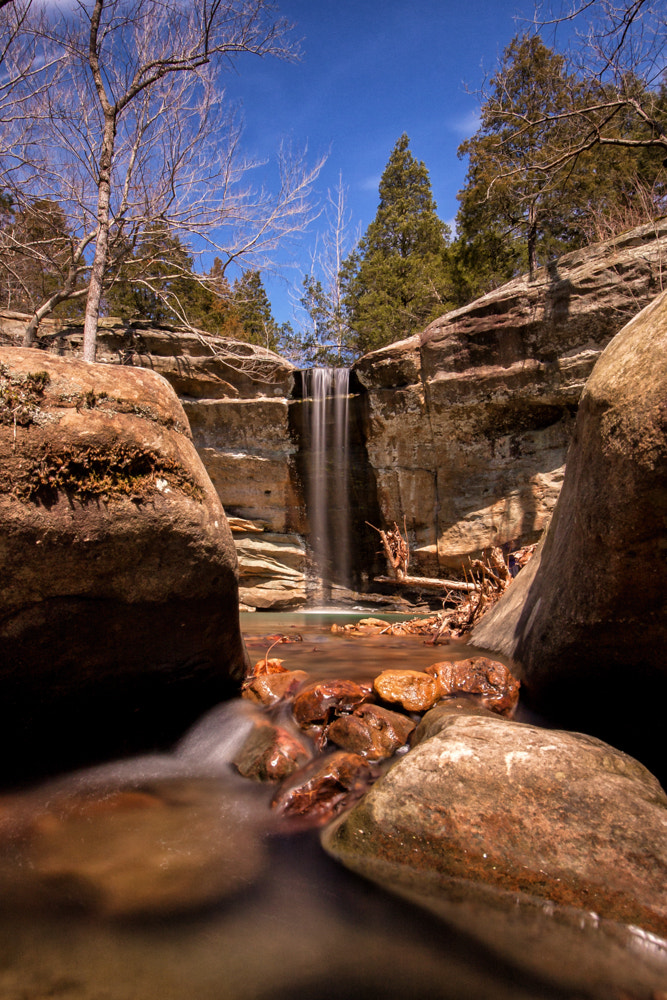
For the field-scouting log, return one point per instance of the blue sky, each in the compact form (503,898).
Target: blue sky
(371,70)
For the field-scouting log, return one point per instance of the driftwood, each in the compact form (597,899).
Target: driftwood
(396,549)
(428,583)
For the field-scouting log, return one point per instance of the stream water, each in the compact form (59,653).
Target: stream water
(171,880)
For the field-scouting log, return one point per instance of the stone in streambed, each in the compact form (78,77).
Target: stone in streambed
(557,815)
(269,689)
(414,690)
(371,731)
(316,704)
(170,846)
(490,680)
(323,788)
(270,753)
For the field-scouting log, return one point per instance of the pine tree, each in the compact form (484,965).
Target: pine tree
(254,310)
(517,212)
(398,280)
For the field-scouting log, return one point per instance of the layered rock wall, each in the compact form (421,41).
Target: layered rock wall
(469,422)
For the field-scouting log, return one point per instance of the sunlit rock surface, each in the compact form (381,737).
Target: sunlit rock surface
(119,608)
(487,801)
(586,620)
(469,422)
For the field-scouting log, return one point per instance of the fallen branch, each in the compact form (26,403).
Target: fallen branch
(428,583)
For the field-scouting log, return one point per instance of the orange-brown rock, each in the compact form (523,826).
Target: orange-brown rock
(372,731)
(270,753)
(414,690)
(324,787)
(497,688)
(319,702)
(269,689)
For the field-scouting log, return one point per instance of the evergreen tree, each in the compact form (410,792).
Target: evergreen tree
(397,280)
(516,210)
(254,310)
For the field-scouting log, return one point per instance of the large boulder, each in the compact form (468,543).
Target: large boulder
(514,809)
(586,622)
(468,423)
(119,607)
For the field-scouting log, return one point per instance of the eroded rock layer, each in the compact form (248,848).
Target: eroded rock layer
(469,422)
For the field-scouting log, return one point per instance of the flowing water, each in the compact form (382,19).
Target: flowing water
(326,399)
(171,879)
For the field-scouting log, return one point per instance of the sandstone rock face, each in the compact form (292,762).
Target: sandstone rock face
(586,621)
(469,422)
(236,399)
(248,452)
(486,801)
(119,607)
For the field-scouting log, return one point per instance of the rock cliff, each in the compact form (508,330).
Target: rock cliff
(469,422)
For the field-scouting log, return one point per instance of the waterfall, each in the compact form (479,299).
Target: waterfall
(326,396)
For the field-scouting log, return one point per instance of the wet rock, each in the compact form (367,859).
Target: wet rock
(323,788)
(414,690)
(167,847)
(269,689)
(270,753)
(317,704)
(491,680)
(553,814)
(371,731)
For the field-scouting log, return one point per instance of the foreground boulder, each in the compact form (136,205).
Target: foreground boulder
(500,804)
(119,608)
(586,621)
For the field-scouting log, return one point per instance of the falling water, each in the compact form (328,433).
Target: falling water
(326,391)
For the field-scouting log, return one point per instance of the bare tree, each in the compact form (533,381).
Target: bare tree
(135,132)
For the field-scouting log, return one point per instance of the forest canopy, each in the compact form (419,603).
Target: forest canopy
(120,158)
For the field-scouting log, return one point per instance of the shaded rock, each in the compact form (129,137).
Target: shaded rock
(119,607)
(441,714)
(414,690)
(319,702)
(270,753)
(556,815)
(468,423)
(371,731)
(586,620)
(492,681)
(269,689)
(319,791)
(167,847)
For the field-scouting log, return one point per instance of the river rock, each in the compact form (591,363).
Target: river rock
(169,846)
(468,422)
(415,690)
(317,703)
(491,681)
(119,609)
(270,753)
(586,620)
(319,791)
(556,815)
(372,731)
(269,689)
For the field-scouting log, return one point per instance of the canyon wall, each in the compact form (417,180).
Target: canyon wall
(469,422)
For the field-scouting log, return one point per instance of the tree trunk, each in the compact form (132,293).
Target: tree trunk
(101,242)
